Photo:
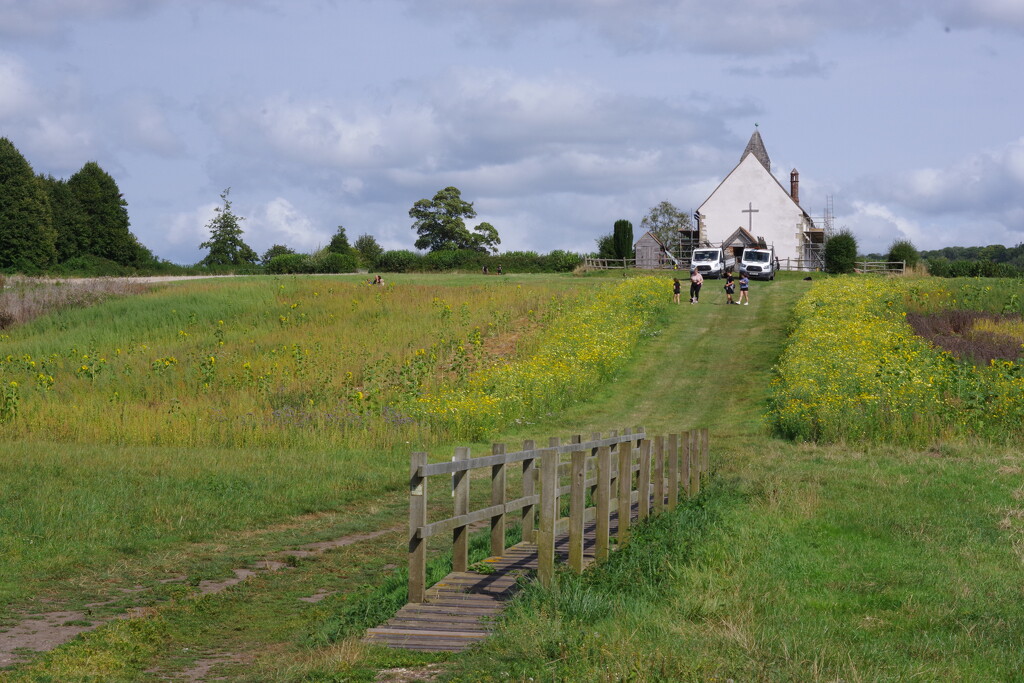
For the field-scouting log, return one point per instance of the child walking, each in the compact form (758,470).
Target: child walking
(730,287)
(744,288)
(676,289)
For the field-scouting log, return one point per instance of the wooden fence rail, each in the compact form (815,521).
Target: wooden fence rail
(616,471)
(883,267)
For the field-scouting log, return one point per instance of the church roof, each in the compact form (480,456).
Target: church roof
(756,147)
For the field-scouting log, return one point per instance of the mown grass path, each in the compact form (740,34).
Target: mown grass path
(810,562)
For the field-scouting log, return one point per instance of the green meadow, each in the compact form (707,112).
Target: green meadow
(848,559)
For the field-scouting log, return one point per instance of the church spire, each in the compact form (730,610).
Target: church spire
(756,147)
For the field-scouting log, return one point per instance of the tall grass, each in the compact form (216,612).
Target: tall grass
(24,299)
(314,363)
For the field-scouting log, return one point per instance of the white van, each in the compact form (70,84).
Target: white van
(759,263)
(711,262)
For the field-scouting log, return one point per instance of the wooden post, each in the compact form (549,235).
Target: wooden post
(548,516)
(460,534)
(685,474)
(417,518)
(659,474)
(705,451)
(498,498)
(615,454)
(577,504)
(694,463)
(673,471)
(596,436)
(529,489)
(643,482)
(604,491)
(625,489)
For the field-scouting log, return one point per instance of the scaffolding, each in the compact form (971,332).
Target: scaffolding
(813,234)
(687,240)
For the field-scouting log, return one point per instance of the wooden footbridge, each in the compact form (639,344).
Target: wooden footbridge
(625,477)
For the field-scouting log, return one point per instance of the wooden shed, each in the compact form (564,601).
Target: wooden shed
(651,254)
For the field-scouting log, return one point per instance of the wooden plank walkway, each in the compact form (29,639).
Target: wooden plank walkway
(460,610)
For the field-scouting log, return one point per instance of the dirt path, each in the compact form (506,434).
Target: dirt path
(43,631)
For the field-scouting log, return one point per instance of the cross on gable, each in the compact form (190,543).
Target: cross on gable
(750,211)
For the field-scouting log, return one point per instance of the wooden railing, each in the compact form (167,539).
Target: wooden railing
(609,263)
(619,470)
(883,267)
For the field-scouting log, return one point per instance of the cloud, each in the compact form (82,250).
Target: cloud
(141,119)
(489,130)
(999,15)
(49,18)
(17,94)
(806,66)
(990,182)
(188,228)
(278,221)
(724,27)
(736,27)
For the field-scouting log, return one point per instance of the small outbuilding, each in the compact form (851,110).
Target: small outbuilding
(651,254)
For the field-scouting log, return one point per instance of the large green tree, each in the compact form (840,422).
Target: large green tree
(225,244)
(369,249)
(622,238)
(441,224)
(27,238)
(105,213)
(339,243)
(665,220)
(70,222)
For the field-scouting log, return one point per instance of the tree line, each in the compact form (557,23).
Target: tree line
(47,222)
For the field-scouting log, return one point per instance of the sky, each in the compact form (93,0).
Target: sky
(555,118)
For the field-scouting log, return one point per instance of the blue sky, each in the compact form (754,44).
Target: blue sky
(554,117)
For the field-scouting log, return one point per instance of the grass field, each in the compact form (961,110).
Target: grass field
(800,561)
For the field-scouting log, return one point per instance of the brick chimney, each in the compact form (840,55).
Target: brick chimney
(794,185)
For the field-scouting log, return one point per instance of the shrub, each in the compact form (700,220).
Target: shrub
(841,253)
(942,267)
(454,259)
(288,264)
(559,261)
(399,261)
(89,265)
(333,262)
(903,250)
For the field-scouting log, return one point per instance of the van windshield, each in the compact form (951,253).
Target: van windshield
(755,256)
(710,255)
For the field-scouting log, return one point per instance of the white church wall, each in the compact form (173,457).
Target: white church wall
(777,218)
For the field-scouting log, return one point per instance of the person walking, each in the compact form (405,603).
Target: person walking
(696,280)
(744,288)
(677,289)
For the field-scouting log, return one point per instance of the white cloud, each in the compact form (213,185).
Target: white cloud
(188,228)
(988,182)
(280,222)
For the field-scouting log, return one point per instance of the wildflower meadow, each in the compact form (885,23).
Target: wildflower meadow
(855,370)
(314,362)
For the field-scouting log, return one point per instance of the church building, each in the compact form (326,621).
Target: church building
(751,208)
